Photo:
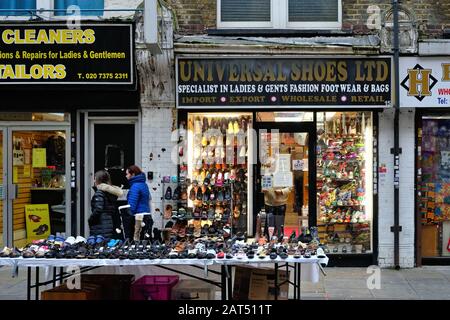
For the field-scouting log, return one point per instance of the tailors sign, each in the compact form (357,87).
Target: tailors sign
(94,54)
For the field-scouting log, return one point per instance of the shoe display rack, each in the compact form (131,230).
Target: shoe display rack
(216,174)
(341,181)
(174,197)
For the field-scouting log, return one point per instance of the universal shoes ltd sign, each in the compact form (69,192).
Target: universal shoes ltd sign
(257,82)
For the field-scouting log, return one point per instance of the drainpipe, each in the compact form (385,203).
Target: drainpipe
(396,228)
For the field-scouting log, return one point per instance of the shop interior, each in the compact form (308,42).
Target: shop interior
(39,178)
(215,180)
(433,186)
(330,194)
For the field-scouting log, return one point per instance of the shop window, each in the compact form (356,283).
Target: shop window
(34,116)
(284,182)
(285,116)
(219,154)
(6,5)
(434,185)
(345,181)
(88,7)
(279,14)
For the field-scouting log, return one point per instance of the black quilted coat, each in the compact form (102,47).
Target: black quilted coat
(103,208)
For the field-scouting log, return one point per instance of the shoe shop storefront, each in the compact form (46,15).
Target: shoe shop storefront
(425,87)
(283,147)
(49,72)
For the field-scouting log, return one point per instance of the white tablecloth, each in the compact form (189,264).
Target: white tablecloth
(310,270)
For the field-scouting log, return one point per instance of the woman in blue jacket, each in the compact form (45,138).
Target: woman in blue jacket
(139,200)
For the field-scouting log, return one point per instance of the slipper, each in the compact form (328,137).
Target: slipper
(283,255)
(111,243)
(91,240)
(99,239)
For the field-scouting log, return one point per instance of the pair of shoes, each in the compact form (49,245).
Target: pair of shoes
(43,228)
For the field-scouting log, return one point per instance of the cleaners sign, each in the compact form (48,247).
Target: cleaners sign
(256,82)
(92,55)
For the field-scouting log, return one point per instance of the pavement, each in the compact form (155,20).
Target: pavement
(425,283)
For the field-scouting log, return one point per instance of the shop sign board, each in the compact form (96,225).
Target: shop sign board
(282,82)
(425,82)
(45,55)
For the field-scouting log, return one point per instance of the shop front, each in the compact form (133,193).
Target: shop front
(283,147)
(49,73)
(426,88)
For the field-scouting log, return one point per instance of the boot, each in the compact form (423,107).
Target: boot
(279,226)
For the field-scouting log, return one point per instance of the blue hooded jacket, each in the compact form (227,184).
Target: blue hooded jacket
(139,195)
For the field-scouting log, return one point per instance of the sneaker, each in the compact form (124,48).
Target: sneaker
(70,241)
(320,253)
(80,239)
(210,254)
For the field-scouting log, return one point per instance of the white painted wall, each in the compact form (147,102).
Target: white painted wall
(386,189)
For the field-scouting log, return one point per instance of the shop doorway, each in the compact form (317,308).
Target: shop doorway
(33,188)
(111,144)
(285,189)
(433,189)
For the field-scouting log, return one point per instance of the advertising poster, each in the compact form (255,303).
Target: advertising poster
(37,219)
(39,158)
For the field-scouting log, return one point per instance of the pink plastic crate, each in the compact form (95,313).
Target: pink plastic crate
(153,287)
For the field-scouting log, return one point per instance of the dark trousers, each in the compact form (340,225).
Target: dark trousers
(128,226)
(146,232)
(275,218)
(128,222)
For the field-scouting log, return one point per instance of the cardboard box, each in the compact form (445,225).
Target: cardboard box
(193,290)
(259,284)
(87,292)
(113,286)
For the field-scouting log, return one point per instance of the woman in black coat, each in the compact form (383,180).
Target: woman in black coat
(103,206)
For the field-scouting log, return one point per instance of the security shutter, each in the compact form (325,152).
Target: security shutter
(62,5)
(313,10)
(17,4)
(245,10)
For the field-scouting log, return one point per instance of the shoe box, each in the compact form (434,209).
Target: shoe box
(259,284)
(188,289)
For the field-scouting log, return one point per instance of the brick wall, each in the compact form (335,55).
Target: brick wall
(432,17)
(195,16)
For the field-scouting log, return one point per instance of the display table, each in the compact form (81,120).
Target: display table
(307,269)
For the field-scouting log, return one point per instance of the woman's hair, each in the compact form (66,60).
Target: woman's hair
(134,170)
(102,176)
